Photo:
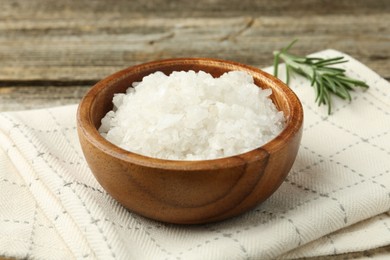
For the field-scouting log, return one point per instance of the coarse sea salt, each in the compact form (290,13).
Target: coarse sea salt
(192,116)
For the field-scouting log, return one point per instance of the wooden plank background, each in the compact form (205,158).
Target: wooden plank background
(51,52)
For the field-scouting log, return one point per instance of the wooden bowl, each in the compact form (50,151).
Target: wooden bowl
(188,192)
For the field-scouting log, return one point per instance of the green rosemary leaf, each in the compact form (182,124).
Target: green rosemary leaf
(313,59)
(330,83)
(343,91)
(327,101)
(331,63)
(286,49)
(347,85)
(313,78)
(276,63)
(326,61)
(332,71)
(298,59)
(354,81)
(316,91)
(287,74)
(325,79)
(320,98)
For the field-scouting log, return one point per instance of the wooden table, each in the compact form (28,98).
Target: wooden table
(51,52)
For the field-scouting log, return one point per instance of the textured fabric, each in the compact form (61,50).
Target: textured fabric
(336,199)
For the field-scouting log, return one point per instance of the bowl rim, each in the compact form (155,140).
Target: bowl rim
(85,125)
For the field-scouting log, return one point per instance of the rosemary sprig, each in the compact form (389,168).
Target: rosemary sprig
(325,79)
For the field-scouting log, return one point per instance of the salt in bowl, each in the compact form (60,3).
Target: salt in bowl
(188,192)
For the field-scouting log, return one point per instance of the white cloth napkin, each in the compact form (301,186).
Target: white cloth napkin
(336,199)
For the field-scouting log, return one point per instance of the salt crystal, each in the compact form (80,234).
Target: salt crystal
(192,116)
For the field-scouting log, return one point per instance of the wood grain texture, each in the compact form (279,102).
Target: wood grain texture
(71,44)
(32,97)
(201,8)
(80,40)
(68,42)
(84,49)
